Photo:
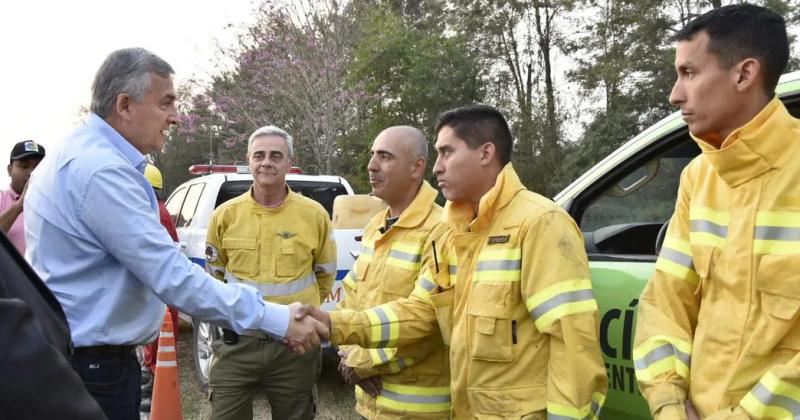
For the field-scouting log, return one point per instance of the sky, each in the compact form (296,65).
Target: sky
(52,49)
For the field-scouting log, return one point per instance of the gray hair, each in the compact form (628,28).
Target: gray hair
(125,71)
(271,130)
(412,138)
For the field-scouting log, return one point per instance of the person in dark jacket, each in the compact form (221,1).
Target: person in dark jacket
(37,380)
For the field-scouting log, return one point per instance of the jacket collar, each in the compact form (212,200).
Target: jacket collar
(258,208)
(418,210)
(461,216)
(766,142)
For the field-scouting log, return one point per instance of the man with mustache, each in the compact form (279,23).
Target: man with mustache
(415,386)
(718,331)
(507,288)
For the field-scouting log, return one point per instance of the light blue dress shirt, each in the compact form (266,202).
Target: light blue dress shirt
(94,237)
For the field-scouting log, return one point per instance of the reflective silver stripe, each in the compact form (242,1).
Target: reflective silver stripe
(453,269)
(551,416)
(660,353)
(401,363)
(383,356)
(766,397)
(778,233)
(561,299)
(277,289)
(326,268)
(405,256)
(385,327)
(677,257)
(427,284)
(418,399)
(499,265)
(708,227)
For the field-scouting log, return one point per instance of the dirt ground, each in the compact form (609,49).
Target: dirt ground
(335,400)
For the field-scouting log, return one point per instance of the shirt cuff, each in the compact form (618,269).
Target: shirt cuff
(276,320)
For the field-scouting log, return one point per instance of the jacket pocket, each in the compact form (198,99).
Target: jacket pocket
(489,322)
(288,260)
(778,288)
(443,306)
(509,403)
(242,256)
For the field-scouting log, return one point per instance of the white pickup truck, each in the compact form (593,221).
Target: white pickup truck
(192,203)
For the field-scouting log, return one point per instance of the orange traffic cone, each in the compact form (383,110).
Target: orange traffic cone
(166,390)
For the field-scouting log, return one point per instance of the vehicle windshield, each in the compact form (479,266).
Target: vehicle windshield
(319,191)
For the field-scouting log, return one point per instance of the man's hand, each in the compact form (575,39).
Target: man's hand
(691,413)
(304,333)
(318,314)
(371,385)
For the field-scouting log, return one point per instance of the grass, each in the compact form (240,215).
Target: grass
(335,400)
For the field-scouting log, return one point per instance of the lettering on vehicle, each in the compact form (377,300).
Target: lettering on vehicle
(621,376)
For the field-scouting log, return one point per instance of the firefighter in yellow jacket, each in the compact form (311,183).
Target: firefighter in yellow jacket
(718,333)
(416,385)
(507,287)
(281,243)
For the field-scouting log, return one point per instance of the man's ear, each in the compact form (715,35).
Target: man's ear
(488,152)
(122,105)
(418,167)
(748,73)
(9,168)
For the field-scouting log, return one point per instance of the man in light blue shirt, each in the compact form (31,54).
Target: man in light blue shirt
(94,236)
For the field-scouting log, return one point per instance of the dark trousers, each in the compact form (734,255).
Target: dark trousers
(113,380)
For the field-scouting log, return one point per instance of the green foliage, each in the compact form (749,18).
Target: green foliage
(575,78)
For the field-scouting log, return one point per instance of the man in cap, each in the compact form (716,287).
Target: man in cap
(25,156)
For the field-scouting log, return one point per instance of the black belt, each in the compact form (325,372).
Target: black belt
(105,350)
(231,337)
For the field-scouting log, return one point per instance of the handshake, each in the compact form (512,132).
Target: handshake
(308,327)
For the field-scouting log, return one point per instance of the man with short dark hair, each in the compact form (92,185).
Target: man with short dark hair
(25,156)
(507,287)
(94,237)
(718,333)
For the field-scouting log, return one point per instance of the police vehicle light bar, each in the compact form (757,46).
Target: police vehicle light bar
(229,169)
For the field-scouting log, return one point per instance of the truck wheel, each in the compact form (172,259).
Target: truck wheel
(203,334)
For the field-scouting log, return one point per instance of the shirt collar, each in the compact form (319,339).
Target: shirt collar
(764,143)
(419,208)
(13,194)
(133,156)
(461,216)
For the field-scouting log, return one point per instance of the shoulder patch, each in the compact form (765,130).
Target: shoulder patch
(499,239)
(212,253)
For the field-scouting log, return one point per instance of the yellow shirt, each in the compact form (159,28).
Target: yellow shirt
(719,322)
(286,252)
(511,295)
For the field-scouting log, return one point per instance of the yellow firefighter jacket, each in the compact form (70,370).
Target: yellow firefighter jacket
(286,252)
(721,311)
(512,297)
(416,385)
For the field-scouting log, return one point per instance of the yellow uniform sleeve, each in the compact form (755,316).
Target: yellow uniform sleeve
(558,294)
(216,258)
(325,258)
(667,318)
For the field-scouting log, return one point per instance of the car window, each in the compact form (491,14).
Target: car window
(190,205)
(319,191)
(174,203)
(626,216)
